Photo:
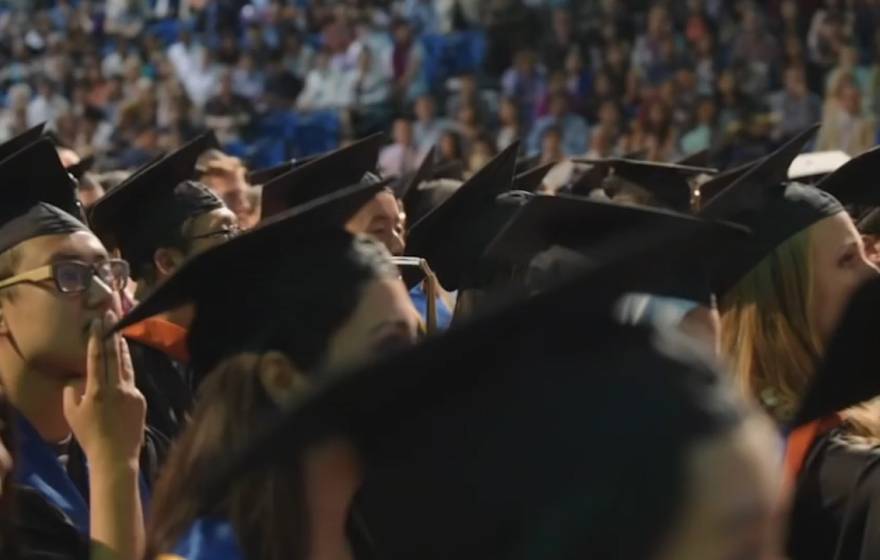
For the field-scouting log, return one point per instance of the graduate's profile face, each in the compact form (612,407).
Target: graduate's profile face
(382,219)
(210,229)
(385,320)
(47,329)
(840,266)
(733,501)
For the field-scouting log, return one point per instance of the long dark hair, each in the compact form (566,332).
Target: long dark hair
(310,299)
(265,509)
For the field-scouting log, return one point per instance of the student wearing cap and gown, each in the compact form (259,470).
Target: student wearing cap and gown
(426,433)
(380,217)
(782,302)
(453,236)
(855,184)
(158,218)
(83,463)
(316,297)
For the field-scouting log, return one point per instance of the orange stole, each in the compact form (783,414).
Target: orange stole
(162,335)
(801,440)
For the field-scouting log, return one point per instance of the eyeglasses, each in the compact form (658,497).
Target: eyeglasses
(226,233)
(74,277)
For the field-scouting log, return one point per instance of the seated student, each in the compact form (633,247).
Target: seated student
(783,302)
(71,387)
(158,218)
(320,298)
(453,235)
(472,456)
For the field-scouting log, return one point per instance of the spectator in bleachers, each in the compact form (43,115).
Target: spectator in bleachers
(510,125)
(571,126)
(794,107)
(449,149)
(845,125)
(427,127)
(466,91)
(525,82)
(561,40)
(228,114)
(704,134)
(47,105)
(402,156)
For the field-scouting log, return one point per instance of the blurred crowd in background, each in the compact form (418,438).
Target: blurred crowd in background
(125,80)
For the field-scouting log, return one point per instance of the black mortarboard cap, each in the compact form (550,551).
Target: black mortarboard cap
(696,159)
(592,228)
(532,179)
(81,167)
(19,142)
(453,236)
(709,189)
(523,164)
(228,276)
(848,374)
(321,176)
(667,182)
(762,200)
(263,176)
(38,196)
(453,169)
(410,182)
(856,181)
(147,210)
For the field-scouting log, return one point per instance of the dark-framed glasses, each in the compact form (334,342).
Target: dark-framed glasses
(225,233)
(74,277)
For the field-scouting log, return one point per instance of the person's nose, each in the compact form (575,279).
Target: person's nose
(101,296)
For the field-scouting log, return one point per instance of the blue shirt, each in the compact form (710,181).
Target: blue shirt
(38,467)
(209,538)
(420,301)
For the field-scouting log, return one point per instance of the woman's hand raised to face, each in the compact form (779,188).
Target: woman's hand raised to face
(107,412)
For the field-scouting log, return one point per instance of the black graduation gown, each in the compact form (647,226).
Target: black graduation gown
(165,384)
(43,532)
(836,510)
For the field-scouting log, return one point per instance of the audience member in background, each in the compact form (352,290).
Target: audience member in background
(449,148)
(466,91)
(228,114)
(795,107)
(225,175)
(47,105)
(482,151)
(511,128)
(552,146)
(428,126)
(525,82)
(845,125)
(407,62)
(573,127)
(371,94)
(402,156)
(704,134)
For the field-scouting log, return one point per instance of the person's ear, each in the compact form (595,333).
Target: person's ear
(281,379)
(872,248)
(167,260)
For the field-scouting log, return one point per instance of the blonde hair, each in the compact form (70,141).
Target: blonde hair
(770,337)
